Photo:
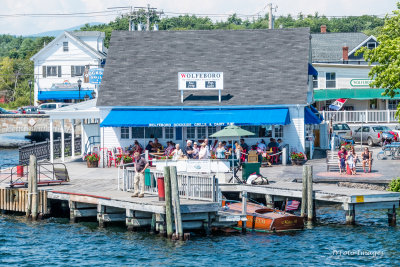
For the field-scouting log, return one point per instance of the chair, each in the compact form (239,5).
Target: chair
(111,158)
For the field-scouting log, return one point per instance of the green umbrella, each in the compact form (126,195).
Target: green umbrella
(231,131)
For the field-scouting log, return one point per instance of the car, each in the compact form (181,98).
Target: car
(396,129)
(371,134)
(50,106)
(343,130)
(4,111)
(29,110)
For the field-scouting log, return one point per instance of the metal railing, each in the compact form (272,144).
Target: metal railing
(42,150)
(365,116)
(190,186)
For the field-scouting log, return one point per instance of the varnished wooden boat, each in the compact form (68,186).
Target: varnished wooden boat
(261,218)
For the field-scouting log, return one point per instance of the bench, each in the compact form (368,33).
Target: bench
(333,163)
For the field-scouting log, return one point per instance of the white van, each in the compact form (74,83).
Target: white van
(50,106)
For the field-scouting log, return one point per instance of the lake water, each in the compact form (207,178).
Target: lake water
(57,242)
(9,148)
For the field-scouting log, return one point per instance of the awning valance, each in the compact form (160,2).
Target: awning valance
(360,94)
(204,117)
(310,117)
(64,95)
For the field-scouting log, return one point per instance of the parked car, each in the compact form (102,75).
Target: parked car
(343,130)
(4,111)
(29,110)
(50,106)
(372,134)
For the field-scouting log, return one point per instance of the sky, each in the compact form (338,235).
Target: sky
(25,25)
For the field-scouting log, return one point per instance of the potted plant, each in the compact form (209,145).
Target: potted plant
(123,159)
(92,160)
(298,158)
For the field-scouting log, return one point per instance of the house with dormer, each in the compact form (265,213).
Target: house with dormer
(61,68)
(342,73)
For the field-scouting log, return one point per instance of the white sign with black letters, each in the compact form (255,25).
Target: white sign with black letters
(200,80)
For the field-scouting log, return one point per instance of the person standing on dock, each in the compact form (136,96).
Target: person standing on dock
(140,166)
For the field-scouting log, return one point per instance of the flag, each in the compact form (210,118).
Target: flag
(292,205)
(338,104)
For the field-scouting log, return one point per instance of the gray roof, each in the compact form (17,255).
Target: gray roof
(261,67)
(328,46)
(88,33)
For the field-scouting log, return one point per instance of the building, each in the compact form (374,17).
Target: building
(343,74)
(65,61)
(266,86)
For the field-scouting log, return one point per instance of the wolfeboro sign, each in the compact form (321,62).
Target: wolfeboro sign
(200,81)
(360,82)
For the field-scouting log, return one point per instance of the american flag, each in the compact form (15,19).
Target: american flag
(292,205)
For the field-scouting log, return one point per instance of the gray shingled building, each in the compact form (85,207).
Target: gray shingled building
(265,85)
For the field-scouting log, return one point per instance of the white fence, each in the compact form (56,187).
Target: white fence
(190,186)
(365,116)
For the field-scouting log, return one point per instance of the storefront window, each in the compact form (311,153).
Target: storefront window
(169,133)
(191,133)
(212,130)
(330,80)
(253,129)
(124,132)
(315,81)
(265,131)
(201,132)
(137,132)
(373,104)
(393,104)
(278,131)
(153,132)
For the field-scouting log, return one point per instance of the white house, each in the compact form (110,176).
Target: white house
(63,62)
(343,74)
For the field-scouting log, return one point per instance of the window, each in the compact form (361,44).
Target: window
(51,71)
(124,132)
(137,132)
(191,133)
(330,80)
(371,45)
(278,129)
(393,104)
(373,104)
(365,129)
(65,46)
(201,132)
(315,81)
(265,131)
(212,130)
(169,133)
(77,70)
(153,132)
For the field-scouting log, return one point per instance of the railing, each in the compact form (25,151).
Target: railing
(365,116)
(91,142)
(42,150)
(190,186)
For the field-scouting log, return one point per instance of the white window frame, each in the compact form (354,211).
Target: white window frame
(74,72)
(136,137)
(198,132)
(50,71)
(125,132)
(167,133)
(331,82)
(65,47)
(315,81)
(187,133)
(369,43)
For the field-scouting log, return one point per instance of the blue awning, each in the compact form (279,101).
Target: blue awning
(64,95)
(204,117)
(312,70)
(310,117)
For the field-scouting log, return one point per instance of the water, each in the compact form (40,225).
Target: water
(9,144)
(56,242)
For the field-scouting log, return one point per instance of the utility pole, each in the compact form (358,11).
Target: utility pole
(148,12)
(271,16)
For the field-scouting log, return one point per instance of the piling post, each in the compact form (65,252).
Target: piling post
(304,192)
(33,200)
(153,224)
(392,216)
(310,194)
(269,201)
(168,202)
(244,210)
(176,202)
(351,215)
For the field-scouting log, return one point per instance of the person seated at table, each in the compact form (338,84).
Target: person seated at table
(220,152)
(137,147)
(238,152)
(150,147)
(244,146)
(272,143)
(177,153)
(156,145)
(261,146)
(203,153)
(195,153)
(281,144)
(189,149)
(366,159)
(169,149)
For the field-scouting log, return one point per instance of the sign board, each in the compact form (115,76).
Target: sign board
(96,75)
(200,80)
(32,122)
(360,83)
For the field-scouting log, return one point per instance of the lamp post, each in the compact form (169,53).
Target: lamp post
(79,87)
(30,92)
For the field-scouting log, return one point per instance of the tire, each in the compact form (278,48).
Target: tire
(370,142)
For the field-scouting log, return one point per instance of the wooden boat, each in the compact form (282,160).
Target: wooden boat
(261,218)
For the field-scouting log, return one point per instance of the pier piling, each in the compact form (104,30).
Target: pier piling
(304,192)
(392,216)
(176,202)
(310,194)
(351,215)
(33,200)
(168,203)
(244,210)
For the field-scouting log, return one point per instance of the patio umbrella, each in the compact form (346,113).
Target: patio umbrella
(232,131)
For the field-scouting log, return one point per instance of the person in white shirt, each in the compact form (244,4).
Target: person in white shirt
(261,146)
(177,153)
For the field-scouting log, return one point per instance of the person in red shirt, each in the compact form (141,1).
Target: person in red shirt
(341,154)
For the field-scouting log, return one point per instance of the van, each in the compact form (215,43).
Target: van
(50,106)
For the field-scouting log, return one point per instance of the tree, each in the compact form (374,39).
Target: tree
(386,56)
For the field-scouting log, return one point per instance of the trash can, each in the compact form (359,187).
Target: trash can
(20,171)
(249,168)
(161,189)
(148,179)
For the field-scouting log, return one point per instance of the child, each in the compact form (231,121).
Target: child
(351,163)
(342,163)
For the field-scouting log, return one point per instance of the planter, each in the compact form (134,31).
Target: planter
(92,164)
(298,162)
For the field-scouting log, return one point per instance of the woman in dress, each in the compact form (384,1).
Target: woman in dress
(203,151)
(177,153)
(220,152)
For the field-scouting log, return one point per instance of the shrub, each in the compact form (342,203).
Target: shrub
(92,157)
(394,185)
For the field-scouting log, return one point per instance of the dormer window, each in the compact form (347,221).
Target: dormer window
(371,45)
(65,46)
